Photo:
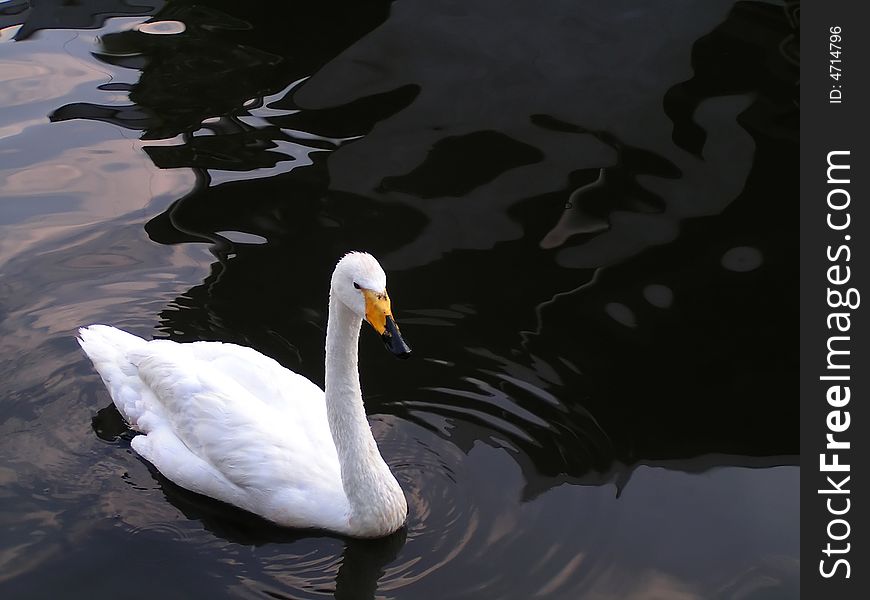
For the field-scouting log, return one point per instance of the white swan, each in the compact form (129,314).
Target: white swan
(226,421)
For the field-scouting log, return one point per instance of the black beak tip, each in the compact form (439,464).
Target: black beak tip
(393,340)
(396,345)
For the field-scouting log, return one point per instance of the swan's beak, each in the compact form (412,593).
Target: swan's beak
(380,316)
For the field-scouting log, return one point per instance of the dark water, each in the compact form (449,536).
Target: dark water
(587,214)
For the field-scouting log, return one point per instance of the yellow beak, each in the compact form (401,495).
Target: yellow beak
(379,314)
(377,309)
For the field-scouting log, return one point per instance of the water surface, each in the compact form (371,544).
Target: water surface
(586,214)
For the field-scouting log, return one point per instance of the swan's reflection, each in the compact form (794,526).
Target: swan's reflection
(360,565)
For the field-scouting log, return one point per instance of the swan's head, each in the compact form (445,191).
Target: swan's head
(360,283)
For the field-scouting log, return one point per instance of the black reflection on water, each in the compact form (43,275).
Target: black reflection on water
(703,374)
(232,144)
(727,61)
(221,63)
(601,375)
(200,84)
(35,15)
(698,367)
(457,165)
(599,192)
(108,424)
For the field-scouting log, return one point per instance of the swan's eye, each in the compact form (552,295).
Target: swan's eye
(356,285)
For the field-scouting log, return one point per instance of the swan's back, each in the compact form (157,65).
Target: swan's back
(225,421)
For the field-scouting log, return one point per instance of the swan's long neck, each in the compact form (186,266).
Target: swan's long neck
(377,502)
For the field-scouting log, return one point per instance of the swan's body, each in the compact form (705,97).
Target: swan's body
(227,422)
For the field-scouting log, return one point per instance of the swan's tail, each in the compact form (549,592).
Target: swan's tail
(109,349)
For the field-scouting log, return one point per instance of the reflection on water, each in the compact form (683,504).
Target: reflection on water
(588,231)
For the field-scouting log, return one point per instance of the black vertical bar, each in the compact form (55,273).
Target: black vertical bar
(835,299)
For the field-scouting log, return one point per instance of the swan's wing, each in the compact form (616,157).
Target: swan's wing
(227,422)
(262,376)
(175,461)
(269,458)
(117,356)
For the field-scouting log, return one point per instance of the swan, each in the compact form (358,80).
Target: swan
(228,422)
